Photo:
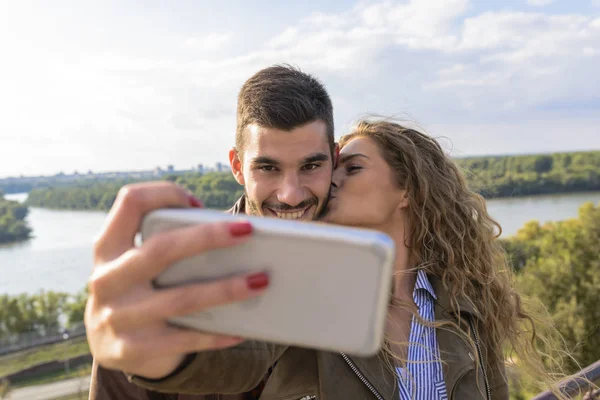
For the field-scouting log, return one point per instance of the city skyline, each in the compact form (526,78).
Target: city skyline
(156,171)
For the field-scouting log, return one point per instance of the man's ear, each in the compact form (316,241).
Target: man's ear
(336,155)
(236,166)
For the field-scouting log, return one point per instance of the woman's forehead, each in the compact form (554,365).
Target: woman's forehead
(359,144)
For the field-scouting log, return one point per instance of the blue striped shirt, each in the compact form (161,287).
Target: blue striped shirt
(423,377)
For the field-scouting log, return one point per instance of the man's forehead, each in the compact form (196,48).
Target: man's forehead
(282,145)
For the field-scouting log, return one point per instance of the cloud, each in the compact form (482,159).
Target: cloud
(440,61)
(212,41)
(539,3)
(488,57)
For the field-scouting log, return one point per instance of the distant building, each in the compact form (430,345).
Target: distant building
(170,169)
(220,167)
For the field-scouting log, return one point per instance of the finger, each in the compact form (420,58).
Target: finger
(124,219)
(162,250)
(188,299)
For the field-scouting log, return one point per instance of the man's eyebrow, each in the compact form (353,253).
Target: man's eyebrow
(264,160)
(317,157)
(348,157)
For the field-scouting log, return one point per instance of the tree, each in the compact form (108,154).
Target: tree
(12,221)
(75,308)
(564,274)
(50,306)
(41,313)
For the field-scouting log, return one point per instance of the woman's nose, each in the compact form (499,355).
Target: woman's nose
(337,179)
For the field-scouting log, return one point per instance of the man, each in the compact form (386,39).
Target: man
(284,155)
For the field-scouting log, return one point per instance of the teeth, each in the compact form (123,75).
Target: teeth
(289,215)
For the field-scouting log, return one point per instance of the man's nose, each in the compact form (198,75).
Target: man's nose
(291,192)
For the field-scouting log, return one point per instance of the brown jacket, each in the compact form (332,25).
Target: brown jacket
(307,374)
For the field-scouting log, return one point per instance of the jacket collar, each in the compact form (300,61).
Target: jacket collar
(456,353)
(239,207)
(444,300)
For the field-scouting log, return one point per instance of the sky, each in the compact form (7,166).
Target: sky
(115,85)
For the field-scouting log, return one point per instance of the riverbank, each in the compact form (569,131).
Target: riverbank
(13,227)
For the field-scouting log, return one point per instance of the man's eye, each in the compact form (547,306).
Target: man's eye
(267,168)
(310,167)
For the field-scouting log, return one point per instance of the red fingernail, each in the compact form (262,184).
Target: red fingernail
(258,281)
(194,202)
(240,228)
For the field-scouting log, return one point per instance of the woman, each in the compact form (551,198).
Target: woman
(453,307)
(400,181)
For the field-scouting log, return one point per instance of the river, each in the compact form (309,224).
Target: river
(59,256)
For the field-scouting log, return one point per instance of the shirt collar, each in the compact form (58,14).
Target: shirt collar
(423,283)
(239,207)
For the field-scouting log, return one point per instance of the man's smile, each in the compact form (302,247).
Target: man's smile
(293,214)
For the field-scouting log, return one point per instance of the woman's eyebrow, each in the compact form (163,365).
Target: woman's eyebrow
(348,157)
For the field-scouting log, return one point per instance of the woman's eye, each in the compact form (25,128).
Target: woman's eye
(353,168)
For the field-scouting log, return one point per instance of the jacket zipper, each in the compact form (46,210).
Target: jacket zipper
(361,377)
(309,398)
(480,354)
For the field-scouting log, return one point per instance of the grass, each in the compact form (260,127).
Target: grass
(79,372)
(18,361)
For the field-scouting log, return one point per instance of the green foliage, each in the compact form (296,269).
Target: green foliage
(12,221)
(560,266)
(75,308)
(92,196)
(217,190)
(27,184)
(40,313)
(504,176)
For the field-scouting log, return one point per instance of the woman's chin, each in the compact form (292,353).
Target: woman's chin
(328,218)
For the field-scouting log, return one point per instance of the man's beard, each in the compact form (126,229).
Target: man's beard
(324,209)
(254,208)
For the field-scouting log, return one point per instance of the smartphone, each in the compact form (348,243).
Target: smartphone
(329,285)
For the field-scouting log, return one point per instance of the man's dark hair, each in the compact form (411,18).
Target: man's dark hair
(282,97)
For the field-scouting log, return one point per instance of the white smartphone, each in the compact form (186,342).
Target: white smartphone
(329,285)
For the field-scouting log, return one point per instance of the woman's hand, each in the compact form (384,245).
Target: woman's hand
(125,316)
